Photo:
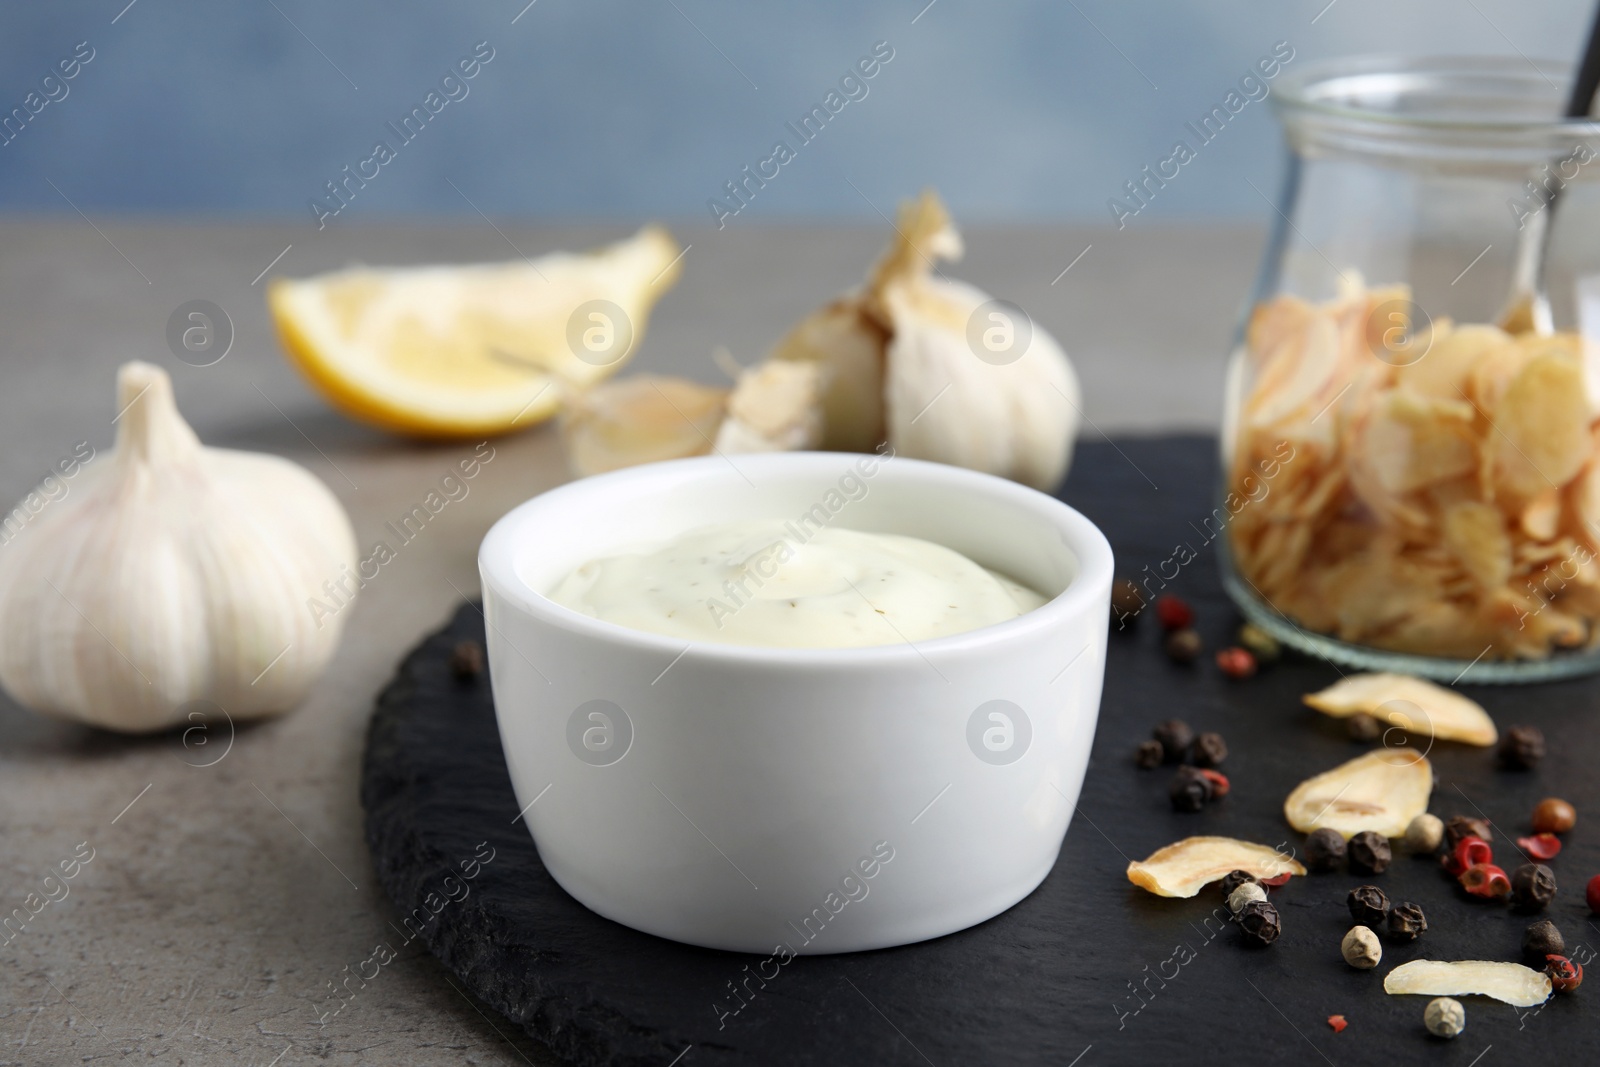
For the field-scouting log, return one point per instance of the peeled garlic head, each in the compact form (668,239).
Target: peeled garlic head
(172,574)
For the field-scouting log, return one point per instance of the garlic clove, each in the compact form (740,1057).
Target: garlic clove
(776,407)
(173,573)
(1018,419)
(640,419)
(848,343)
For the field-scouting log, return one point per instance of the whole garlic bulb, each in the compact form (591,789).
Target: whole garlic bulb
(172,573)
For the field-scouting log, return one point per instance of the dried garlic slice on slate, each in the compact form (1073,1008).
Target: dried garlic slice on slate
(1381,791)
(1412,704)
(1519,986)
(1184,868)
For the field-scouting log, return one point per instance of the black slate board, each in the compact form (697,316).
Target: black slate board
(1087,966)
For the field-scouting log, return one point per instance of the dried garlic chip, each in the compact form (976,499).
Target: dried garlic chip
(1542,426)
(1184,868)
(1519,986)
(1381,791)
(1445,714)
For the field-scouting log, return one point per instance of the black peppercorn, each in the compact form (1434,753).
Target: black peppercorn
(1533,885)
(1460,826)
(466,660)
(1126,602)
(1521,748)
(1406,922)
(1363,727)
(1234,879)
(1260,922)
(1175,736)
(1325,850)
(1182,646)
(1149,754)
(1208,750)
(1369,906)
(1369,853)
(1542,939)
(1189,790)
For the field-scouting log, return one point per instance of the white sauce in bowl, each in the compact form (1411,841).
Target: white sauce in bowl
(756,583)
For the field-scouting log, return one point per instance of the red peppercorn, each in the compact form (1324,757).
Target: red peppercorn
(1487,881)
(1540,847)
(1237,663)
(1565,975)
(1173,613)
(1338,1023)
(1276,880)
(1591,893)
(1468,851)
(1218,780)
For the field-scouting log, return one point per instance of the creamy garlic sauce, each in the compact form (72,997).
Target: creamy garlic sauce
(772,583)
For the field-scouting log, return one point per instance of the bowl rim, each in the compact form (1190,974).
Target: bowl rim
(498,551)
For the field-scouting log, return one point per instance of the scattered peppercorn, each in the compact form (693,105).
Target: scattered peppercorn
(1126,601)
(1361,949)
(1423,834)
(1175,736)
(1188,790)
(466,660)
(1277,880)
(1262,645)
(1219,783)
(1369,853)
(1183,646)
(1248,893)
(1468,851)
(1542,939)
(1565,975)
(1369,905)
(1324,850)
(1236,663)
(1554,816)
(1533,886)
(1363,727)
(1540,847)
(1444,1017)
(1149,754)
(1174,613)
(1591,894)
(1260,922)
(1460,826)
(1338,1023)
(1522,748)
(1233,880)
(1486,881)
(1208,750)
(1406,922)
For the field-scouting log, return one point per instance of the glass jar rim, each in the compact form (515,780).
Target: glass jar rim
(1453,111)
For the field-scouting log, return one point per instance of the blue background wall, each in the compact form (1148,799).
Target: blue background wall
(606,108)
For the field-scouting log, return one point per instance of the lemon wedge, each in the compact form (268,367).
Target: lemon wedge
(452,351)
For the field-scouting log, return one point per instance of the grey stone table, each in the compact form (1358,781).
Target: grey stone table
(223,901)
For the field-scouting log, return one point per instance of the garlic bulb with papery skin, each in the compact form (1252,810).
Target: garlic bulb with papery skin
(1011,409)
(172,573)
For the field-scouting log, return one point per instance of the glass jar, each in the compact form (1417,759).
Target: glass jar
(1406,485)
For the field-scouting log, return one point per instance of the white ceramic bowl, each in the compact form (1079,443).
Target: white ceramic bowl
(779,800)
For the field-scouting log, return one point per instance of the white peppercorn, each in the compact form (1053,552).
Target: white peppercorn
(1247,893)
(1424,834)
(1361,948)
(1444,1017)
